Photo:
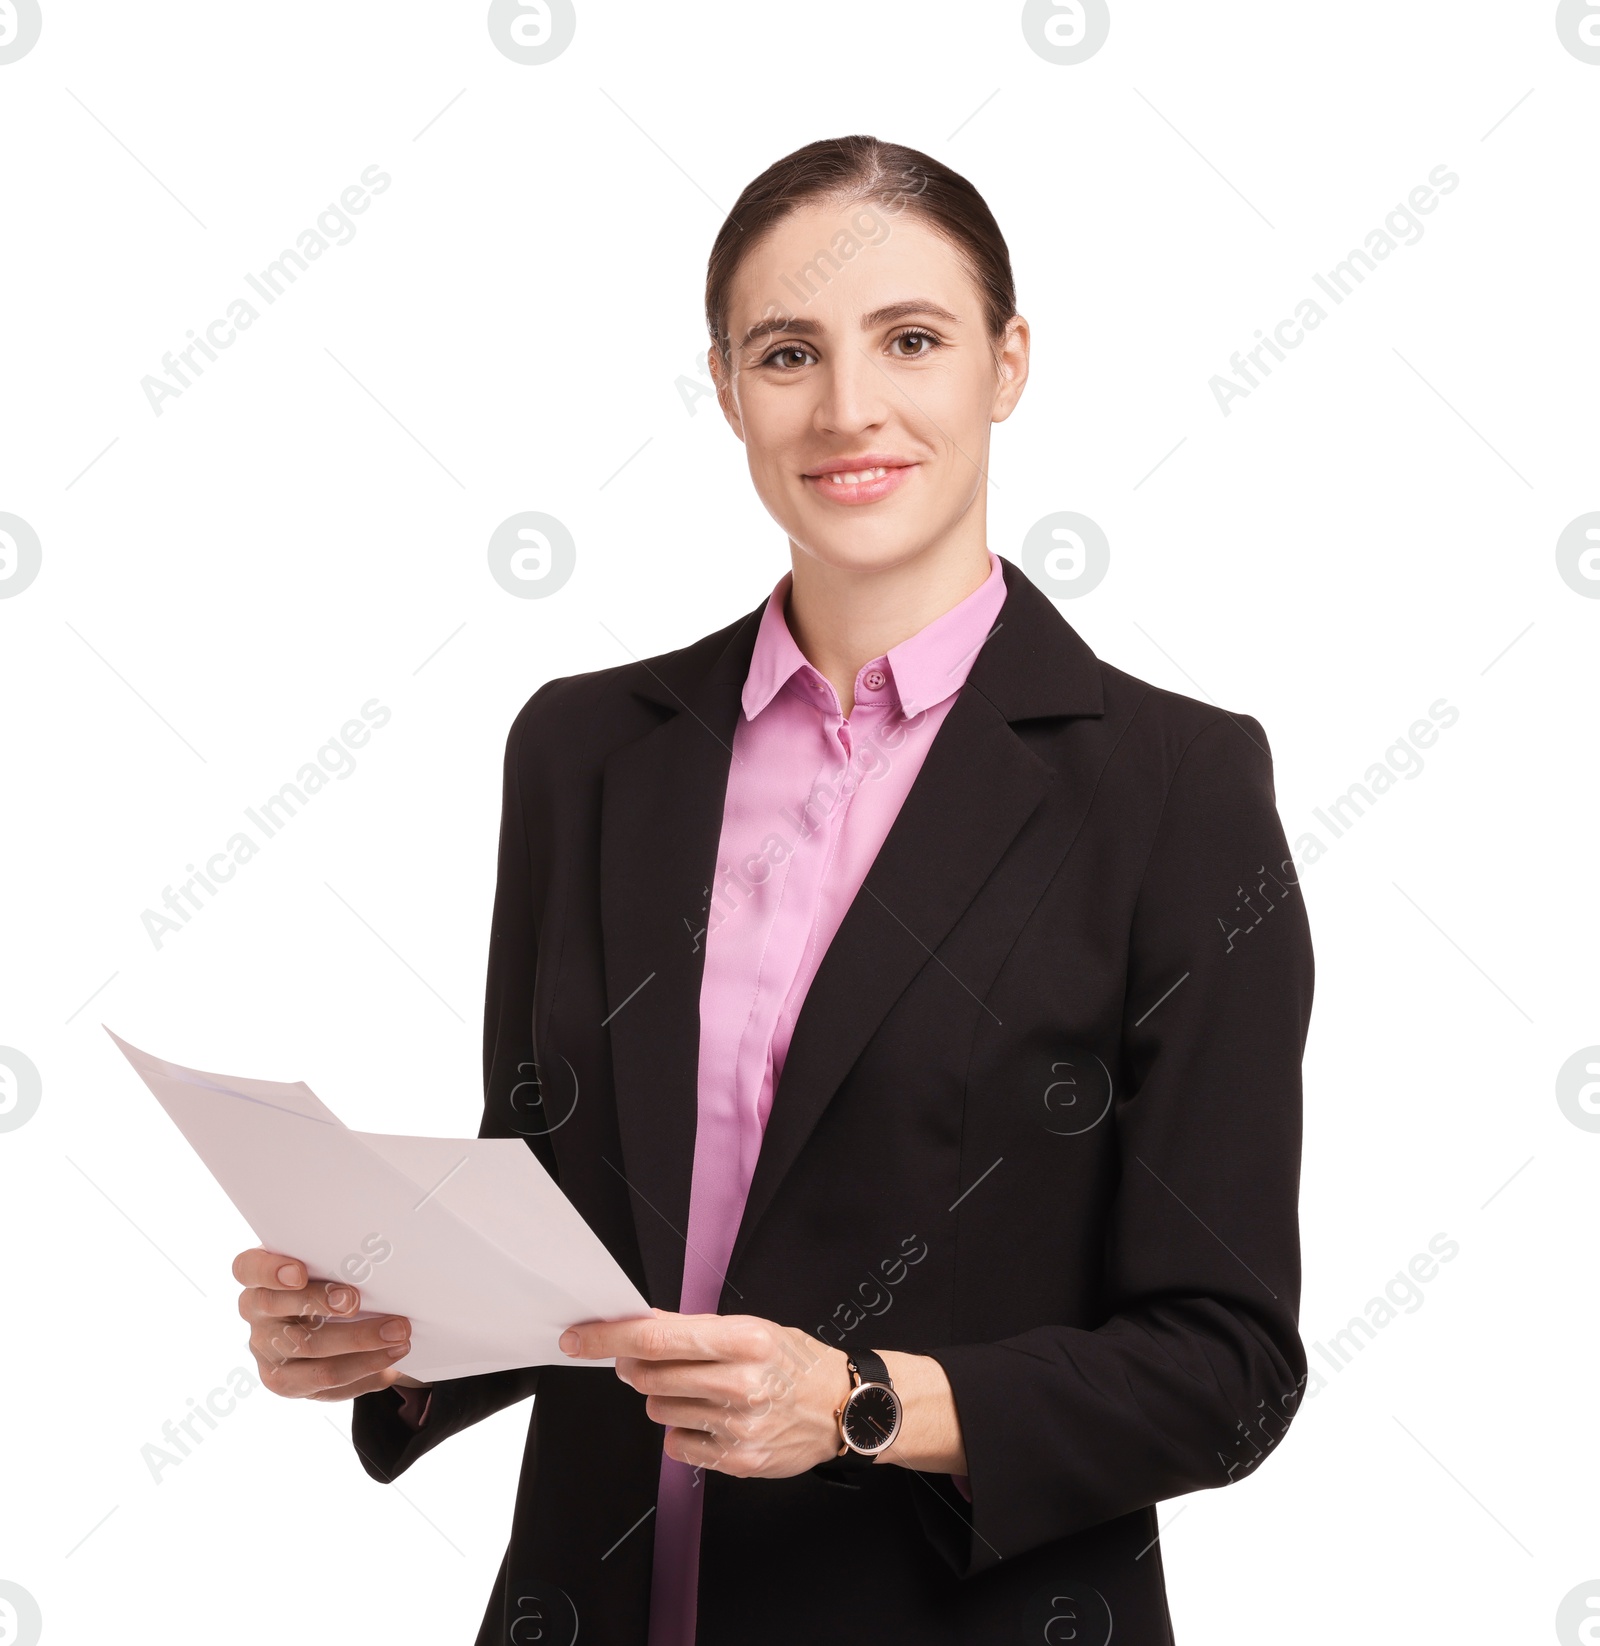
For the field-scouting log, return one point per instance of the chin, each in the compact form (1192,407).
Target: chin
(862,551)
(863,543)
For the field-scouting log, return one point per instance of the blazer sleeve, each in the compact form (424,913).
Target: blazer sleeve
(1197,1370)
(386,1444)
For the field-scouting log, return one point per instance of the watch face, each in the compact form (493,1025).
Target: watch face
(872,1418)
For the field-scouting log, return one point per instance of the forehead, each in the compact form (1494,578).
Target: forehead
(832,263)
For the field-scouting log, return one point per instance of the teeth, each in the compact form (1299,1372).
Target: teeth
(856,477)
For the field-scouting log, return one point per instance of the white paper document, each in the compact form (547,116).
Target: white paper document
(469,1238)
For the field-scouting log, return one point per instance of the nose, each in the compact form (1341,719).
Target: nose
(854,393)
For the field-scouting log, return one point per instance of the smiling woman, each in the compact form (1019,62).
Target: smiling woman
(961,855)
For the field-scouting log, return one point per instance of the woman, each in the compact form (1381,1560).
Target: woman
(913,1004)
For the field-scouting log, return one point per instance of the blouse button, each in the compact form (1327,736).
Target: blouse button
(875,679)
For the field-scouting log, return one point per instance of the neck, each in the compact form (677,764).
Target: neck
(843,617)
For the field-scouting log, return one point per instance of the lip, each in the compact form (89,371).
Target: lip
(864,491)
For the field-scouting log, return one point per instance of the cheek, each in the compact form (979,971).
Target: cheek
(957,407)
(773,452)
(776,425)
(961,438)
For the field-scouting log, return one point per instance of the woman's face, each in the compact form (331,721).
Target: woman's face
(859,348)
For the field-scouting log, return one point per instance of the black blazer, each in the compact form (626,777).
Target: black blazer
(1040,1119)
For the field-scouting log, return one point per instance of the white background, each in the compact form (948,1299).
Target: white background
(305,528)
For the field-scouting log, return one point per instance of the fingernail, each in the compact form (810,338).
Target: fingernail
(393,1331)
(569,1342)
(340,1297)
(398,1350)
(289,1275)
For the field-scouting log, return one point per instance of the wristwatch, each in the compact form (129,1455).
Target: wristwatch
(869,1419)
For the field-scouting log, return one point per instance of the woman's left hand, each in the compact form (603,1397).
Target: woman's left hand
(750,1397)
(738,1394)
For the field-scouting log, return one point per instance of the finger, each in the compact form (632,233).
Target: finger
(361,1386)
(659,1337)
(714,1380)
(258,1267)
(675,1413)
(295,1339)
(300,1379)
(320,1299)
(748,1388)
(696,1447)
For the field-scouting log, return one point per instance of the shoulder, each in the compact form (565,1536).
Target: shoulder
(1174,732)
(583,717)
(1163,757)
(1041,673)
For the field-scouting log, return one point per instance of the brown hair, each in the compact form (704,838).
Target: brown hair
(865,169)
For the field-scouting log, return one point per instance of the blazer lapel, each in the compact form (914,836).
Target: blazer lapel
(661,819)
(977,787)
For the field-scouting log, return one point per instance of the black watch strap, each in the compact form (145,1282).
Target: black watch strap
(844,1471)
(869,1368)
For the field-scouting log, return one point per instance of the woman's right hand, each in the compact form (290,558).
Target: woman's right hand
(304,1350)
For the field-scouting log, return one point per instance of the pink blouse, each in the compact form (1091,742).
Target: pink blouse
(811,797)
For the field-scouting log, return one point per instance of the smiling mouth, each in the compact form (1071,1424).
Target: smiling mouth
(868,484)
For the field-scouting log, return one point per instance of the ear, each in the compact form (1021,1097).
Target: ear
(721,380)
(1012,368)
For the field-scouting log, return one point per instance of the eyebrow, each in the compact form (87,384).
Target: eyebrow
(885,316)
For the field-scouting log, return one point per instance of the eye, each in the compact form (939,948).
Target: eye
(917,336)
(782,357)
